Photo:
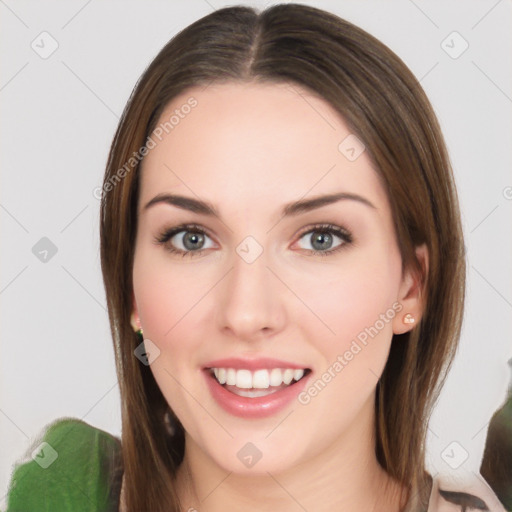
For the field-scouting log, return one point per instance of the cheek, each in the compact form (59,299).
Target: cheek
(169,302)
(163,292)
(171,298)
(357,305)
(352,301)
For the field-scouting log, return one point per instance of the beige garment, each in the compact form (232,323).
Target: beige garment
(418,502)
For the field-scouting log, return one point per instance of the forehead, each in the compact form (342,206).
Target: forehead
(253,141)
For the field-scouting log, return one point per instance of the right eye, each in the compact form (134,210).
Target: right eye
(191,240)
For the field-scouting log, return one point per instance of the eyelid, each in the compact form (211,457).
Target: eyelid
(324,226)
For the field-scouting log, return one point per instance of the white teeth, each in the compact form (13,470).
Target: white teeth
(221,375)
(230,377)
(254,393)
(287,376)
(276,377)
(243,379)
(259,379)
(298,374)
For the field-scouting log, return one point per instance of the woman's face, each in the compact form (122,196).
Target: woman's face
(255,291)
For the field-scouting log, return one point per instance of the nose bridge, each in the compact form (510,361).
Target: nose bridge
(250,298)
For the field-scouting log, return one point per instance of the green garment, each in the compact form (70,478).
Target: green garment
(79,469)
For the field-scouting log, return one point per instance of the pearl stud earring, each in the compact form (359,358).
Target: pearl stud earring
(409,319)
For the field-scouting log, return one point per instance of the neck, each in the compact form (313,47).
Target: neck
(345,476)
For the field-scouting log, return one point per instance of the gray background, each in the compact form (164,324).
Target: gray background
(59,114)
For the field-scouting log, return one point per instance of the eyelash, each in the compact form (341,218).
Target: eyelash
(167,234)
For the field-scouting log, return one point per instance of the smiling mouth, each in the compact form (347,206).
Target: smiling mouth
(253,384)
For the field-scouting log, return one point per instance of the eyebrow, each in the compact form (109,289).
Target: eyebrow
(290,209)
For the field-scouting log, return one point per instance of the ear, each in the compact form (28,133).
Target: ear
(135,320)
(411,293)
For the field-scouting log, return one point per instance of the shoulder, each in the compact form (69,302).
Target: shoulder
(70,465)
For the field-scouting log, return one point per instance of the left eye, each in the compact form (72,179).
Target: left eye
(321,239)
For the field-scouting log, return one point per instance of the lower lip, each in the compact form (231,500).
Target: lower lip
(258,407)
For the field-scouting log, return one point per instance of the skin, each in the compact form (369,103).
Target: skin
(249,149)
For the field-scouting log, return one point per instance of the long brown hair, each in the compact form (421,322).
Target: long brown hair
(385,106)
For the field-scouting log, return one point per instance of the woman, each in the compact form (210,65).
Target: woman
(260,372)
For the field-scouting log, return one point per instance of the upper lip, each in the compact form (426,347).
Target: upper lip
(260,363)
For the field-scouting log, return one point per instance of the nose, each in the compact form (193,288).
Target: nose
(251,303)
